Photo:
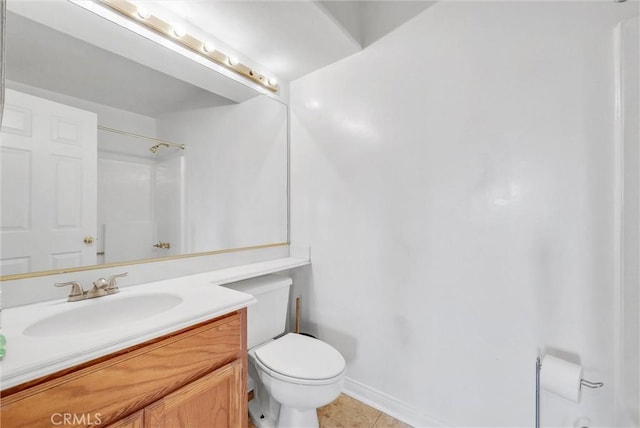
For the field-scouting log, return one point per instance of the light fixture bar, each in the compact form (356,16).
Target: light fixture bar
(131,11)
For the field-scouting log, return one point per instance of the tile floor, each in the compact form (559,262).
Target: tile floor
(347,412)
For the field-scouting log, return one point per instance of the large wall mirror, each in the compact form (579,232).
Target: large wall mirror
(105,160)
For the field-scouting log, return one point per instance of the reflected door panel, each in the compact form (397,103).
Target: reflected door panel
(48,202)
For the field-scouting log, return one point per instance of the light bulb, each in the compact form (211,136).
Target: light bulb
(272,81)
(178,31)
(208,47)
(232,60)
(143,12)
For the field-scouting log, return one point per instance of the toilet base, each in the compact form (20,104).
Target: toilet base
(288,417)
(297,418)
(258,417)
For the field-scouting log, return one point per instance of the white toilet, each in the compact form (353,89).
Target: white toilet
(292,375)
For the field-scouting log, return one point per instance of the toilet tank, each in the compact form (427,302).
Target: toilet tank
(266,319)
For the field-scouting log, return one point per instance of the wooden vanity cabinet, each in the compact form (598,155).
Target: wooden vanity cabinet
(135,420)
(207,402)
(192,378)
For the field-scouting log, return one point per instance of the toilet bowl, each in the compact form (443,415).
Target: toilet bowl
(292,374)
(301,374)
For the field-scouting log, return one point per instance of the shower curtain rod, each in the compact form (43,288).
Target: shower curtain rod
(144,137)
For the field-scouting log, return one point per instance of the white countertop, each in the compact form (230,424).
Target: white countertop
(202,297)
(238,273)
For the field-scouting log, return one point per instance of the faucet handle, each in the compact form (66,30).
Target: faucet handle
(77,293)
(111,281)
(101,283)
(99,289)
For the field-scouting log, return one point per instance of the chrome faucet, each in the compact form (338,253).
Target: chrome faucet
(101,287)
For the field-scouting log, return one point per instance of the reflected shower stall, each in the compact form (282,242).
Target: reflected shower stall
(140,202)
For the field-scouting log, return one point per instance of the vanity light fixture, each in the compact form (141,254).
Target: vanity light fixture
(208,47)
(143,12)
(178,31)
(178,35)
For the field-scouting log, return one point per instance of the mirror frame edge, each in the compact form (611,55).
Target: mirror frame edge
(135,262)
(3,38)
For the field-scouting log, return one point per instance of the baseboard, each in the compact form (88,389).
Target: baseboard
(389,405)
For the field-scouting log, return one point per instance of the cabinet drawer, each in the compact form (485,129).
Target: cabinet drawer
(117,386)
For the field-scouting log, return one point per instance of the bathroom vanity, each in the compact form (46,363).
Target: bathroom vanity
(169,353)
(193,377)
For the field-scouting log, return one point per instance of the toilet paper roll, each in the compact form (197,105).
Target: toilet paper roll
(561,377)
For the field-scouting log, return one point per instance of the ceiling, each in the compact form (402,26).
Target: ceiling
(289,38)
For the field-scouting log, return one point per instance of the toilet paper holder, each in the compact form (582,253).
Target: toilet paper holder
(592,385)
(583,382)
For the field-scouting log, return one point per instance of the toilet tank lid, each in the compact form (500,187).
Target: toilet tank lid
(261,284)
(301,357)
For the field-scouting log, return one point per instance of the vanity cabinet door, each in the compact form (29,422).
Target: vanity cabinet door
(131,421)
(211,401)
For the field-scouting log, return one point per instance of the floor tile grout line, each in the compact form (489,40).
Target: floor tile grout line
(377,419)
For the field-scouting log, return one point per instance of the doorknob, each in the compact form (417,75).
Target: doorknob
(164,245)
(88,240)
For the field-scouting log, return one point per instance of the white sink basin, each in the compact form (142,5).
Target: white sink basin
(102,313)
(53,335)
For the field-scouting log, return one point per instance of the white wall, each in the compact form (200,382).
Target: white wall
(235,173)
(455,181)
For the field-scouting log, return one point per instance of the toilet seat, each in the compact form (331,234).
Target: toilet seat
(300,359)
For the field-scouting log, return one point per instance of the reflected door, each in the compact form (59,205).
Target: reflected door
(48,195)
